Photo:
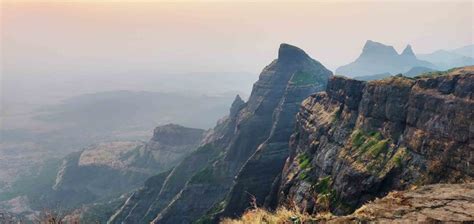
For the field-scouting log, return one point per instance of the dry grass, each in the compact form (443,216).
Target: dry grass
(281,216)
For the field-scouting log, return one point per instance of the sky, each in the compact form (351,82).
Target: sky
(95,37)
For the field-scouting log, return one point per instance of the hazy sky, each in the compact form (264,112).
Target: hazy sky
(74,37)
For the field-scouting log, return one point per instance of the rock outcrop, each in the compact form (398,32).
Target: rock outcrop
(110,169)
(360,140)
(438,203)
(377,58)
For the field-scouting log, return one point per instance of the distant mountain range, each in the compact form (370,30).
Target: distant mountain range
(445,59)
(378,61)
(377,58)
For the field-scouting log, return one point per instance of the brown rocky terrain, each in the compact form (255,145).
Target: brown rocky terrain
(438,203)
(446,203)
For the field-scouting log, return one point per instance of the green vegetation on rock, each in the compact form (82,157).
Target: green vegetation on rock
(304,161)
(303,78)
(378,148)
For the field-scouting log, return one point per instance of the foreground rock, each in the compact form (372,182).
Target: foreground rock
(439,203)
(447,203)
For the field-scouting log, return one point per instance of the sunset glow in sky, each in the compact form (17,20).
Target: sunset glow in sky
(184,36)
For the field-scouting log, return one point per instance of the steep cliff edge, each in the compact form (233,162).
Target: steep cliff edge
(360,140)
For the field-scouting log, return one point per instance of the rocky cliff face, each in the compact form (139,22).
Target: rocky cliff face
(359,140)
(200,183)
(294,72)
(110,169)
(377,58)
(261,170)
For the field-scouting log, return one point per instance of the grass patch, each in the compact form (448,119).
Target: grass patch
(373,142)
(399,157)
(358,138)
(303,175)
(378,148)
(303,78)
(304,161)
(323,185)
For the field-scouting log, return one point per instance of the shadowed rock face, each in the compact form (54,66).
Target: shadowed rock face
(268,116)
(159,191)
(173,134)
(256,177)
(360,140)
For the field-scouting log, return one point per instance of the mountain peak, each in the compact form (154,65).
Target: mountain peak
(236,105)
(376,48)
(288,52)
(408,51)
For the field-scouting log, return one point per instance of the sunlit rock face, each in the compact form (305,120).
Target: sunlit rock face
(360,140)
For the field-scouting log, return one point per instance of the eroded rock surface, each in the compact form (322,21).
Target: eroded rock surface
(361,140)
(446,203)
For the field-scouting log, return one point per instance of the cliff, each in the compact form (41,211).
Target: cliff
(360,140)
(291,76)
(121,166)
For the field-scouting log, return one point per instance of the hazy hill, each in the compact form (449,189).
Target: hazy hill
(377,58)
(444,59)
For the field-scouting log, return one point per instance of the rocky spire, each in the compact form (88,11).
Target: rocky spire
(408,52)
(236,105)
